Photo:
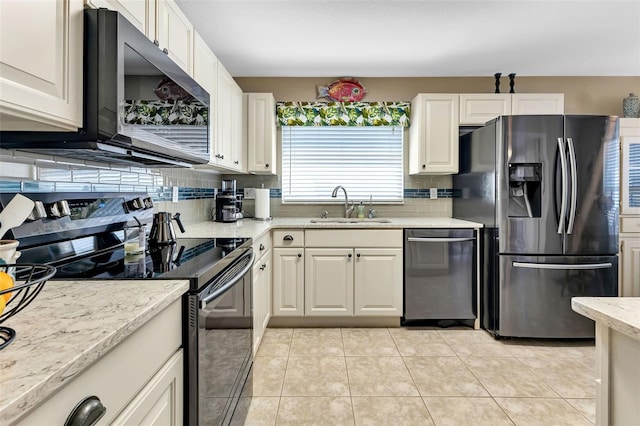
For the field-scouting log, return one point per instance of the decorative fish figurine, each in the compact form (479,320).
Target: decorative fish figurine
(167,89)
(342,90)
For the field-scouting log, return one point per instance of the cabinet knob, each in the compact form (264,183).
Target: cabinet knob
(358,255)
(236,162)
(166,51)
(261,246)
(287,238)
(222,156)
(263,266)
(156,42)
(424,166)
(299,255)
(349,255)
(87,412)
(266,166)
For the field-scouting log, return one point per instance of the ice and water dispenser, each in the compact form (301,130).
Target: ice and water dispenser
(525,190)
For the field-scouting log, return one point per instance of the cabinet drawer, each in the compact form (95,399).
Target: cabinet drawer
(354,238)
(118,376)
(261,246)
(288,238)
(630,224)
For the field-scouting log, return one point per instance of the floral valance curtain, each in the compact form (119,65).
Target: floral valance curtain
(343,113)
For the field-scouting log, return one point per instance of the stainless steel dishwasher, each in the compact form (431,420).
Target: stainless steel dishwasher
(439,274)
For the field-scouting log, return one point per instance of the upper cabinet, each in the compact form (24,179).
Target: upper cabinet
(228,151)
(478,108)
(41,65)
(261,133)
(205,72)
(141,13)
(433,135)
(174,34)
(630,166)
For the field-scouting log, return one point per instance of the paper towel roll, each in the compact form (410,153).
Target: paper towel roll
(262,204)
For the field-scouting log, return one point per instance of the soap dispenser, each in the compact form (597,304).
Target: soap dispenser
(360,210)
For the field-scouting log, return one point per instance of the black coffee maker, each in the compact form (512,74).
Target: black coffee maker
(226,208)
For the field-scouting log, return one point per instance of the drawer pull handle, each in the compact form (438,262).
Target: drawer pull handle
(261,246)
(87,412)
(287,238)
(263,266)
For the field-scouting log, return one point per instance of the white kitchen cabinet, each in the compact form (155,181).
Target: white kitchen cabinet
(229,123)
(140,378)
(537,103)
(629,267)
(160,402)
(238,134)
(261,288)
(433,135)
(377,273)
(328,282)
(41,65)
(141,13)
(205,73)
(288,281)
(174,34)
(353,272)
(478,108)
(261,133)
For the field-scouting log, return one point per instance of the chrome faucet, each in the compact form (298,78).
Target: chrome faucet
(347,210)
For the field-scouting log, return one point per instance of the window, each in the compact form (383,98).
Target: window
(365,160)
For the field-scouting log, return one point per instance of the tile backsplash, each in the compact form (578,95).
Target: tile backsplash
(197,189)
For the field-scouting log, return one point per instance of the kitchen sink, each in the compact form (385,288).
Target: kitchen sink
(349,220)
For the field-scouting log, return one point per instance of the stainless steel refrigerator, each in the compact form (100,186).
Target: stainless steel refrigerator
(546,189)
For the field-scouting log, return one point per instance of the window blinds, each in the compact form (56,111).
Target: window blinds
(364,160)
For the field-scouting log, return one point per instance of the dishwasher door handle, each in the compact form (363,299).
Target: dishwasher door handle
(439,239)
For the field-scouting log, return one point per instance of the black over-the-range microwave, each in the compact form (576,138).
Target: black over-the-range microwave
(140,107)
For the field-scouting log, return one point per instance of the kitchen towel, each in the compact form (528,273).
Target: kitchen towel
(262,204)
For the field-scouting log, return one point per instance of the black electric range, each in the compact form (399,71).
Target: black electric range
(82,235)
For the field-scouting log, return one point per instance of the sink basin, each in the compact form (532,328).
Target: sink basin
(349,220)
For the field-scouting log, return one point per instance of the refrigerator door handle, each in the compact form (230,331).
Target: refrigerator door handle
(439,240)
(562,265)
(563,171)
(574,185)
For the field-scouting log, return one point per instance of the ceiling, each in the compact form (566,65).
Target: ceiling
(420,38)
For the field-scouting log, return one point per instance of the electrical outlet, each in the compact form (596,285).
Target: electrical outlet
(174,195)
(433,193)
(249,193)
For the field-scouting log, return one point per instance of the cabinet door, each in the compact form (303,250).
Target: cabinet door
(261,133)
(328,282)
(378,282)
(141,13)
(478,108)
(238,134)
(160,402)
(630,179)
(205,72)
(288,282)
(41,65)
(537,103)
(224,114)
(258,303)
(175,34)
(630,268)
(433,135)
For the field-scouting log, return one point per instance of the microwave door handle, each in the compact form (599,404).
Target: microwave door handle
(562,266)
(221,290)
(438,240)
(563,173)
(574,184)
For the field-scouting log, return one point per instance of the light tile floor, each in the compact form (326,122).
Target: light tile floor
(400,376)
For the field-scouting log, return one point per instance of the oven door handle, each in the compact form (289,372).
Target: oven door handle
(439,239)
(238,277)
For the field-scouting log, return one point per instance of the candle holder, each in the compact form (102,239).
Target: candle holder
(497,77)
(512,82)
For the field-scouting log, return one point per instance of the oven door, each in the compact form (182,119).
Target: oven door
(219,348)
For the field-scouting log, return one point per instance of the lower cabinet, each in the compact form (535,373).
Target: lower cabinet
(139,381)
(288,281)
(629,267)
(261,298)
(378,282)
(328,281)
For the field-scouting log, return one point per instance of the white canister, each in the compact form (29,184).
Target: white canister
(263,204)
(8,253)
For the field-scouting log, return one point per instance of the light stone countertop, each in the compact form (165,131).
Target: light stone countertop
(69,326)
(250,228)
(619,313)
